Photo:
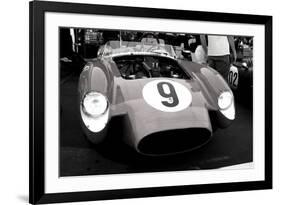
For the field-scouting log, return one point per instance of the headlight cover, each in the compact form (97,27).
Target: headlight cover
(94,104)
(94,110)
(226,105)
(225,100)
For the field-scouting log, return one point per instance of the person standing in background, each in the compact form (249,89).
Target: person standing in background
(194,46)
(218,52)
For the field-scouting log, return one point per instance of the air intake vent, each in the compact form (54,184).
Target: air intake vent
(173,141)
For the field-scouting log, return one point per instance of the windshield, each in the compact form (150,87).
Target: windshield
(117,48)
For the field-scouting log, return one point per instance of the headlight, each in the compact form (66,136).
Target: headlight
(94,104)
(94,111)
(226,105)
(225,100)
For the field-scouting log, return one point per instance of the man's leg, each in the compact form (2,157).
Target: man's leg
(222,65)
(211,62)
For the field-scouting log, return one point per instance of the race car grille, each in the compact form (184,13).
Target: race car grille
(173,141)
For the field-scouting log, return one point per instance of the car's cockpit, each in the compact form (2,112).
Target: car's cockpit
(149,66)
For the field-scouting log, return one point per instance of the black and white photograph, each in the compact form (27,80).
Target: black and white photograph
(121,102)
(133,101)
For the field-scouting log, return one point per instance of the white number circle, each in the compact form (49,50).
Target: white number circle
(233,77)
(167,95)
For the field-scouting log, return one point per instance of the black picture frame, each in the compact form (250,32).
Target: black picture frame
(37,9)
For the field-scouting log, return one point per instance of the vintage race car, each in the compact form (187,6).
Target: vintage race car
(240,78)
(166,105)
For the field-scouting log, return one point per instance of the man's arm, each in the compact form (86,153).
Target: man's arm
(204,43)
(232,46)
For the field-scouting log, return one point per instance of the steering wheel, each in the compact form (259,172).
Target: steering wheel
(131,69)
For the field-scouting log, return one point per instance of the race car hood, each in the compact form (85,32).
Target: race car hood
(162,116)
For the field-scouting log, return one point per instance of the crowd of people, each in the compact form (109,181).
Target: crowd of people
(217,51)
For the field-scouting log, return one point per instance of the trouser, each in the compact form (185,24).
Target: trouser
(221,64)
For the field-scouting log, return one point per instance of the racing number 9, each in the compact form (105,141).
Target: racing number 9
(173,99)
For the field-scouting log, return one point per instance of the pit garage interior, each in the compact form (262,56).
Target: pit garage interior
(78,156)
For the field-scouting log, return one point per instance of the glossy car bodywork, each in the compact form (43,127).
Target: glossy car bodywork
(151,131)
